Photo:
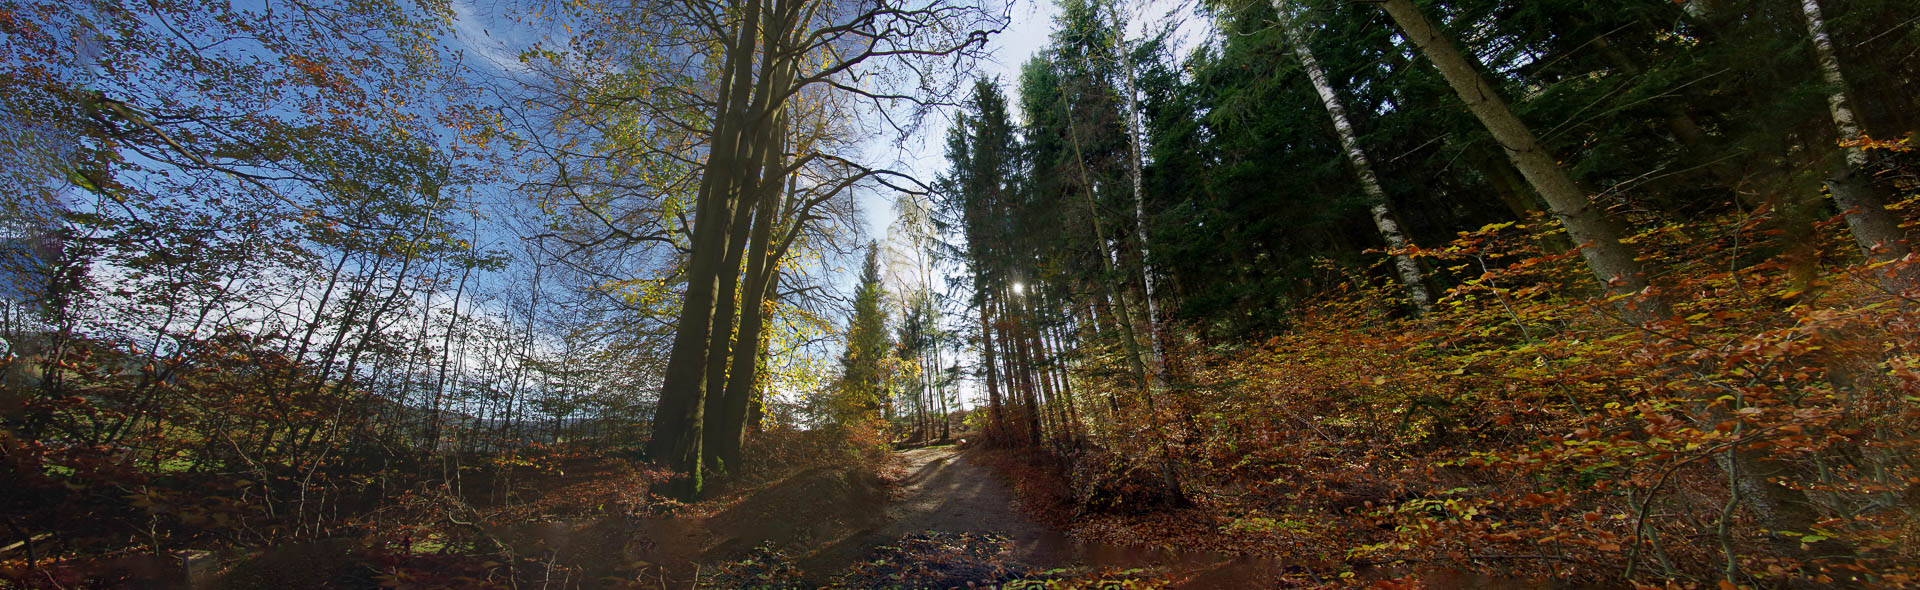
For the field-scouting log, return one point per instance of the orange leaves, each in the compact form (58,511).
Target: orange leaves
(1524,419)
(16,26)
(1904,144)
(1547,498)
(320,75)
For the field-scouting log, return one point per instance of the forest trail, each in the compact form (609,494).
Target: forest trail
(946,491)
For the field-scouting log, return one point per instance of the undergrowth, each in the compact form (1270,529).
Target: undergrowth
(1764,435)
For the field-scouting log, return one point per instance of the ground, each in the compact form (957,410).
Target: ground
(952,521)
(934,517)
(945,491)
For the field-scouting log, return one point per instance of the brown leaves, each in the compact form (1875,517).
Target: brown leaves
(1520,420)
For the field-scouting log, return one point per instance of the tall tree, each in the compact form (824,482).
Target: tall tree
(1378,205)
(1083,163)
(1874,227)
(766,54)
(1596,232)
(1136,176)
(862,378)
(983,155)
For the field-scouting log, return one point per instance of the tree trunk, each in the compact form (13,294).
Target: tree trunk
(1169,477)
(1506,184)
(720,337)
(1050,339)
(728,432)
(446,350)
(1019,368)
(1136,167)
(679,418)
(1611,261)
(1876,229)
(1043,372)
(1377,203)
(946,414)
(758,190)
(996,416)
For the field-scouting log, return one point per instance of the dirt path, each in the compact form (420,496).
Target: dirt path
(947,492)
(944,491)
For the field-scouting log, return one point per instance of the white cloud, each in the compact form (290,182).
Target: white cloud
(474,30)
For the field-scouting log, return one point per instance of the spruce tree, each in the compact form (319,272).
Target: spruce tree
(867,343)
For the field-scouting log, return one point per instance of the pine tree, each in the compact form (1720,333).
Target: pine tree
(861,379)
(976,194)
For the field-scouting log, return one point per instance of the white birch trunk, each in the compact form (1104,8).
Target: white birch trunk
(1138,166)
(1876,229)
(1377,203)
(1611,261)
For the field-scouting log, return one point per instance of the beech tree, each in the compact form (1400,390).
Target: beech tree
(763,173)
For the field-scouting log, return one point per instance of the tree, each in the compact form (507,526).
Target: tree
(983,155)
(1876,229)
(1596,233)
(913,246)
(863,379)
(1378,205)
(761,173)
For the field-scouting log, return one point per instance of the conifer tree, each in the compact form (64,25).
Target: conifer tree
(861,379)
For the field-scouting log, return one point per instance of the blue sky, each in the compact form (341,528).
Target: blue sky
(489,35)
(1032,22)
(492,40)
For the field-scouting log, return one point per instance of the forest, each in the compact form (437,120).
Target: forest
(959,293)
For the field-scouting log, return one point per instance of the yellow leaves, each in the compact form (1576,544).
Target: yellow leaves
(648,293)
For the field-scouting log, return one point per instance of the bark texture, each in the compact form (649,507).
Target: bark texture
(1592,229)
(1876,229)
(1378,205)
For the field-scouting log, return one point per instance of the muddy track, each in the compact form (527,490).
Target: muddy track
(945,491)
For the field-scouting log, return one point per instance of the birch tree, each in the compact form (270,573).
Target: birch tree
(1876,229)
(1136,167)
(1378,205)
(1597,234)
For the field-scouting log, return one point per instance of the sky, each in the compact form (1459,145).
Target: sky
(1026,35)
(491,39)
(489,36)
